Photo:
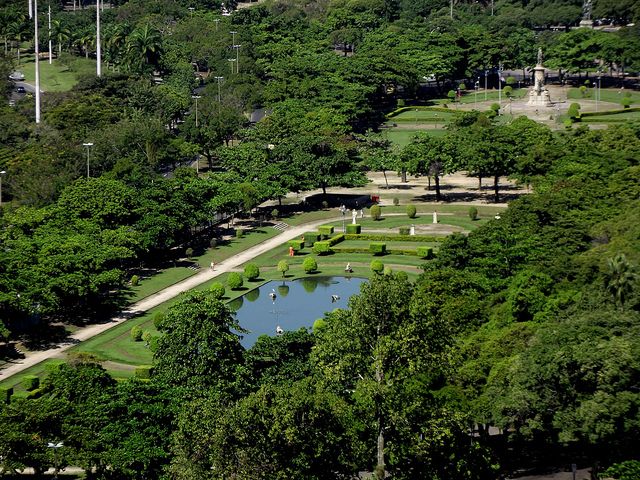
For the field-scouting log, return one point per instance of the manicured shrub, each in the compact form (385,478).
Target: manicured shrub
(336,239)
(376,212)
(404,230)
(401,103)
(625,102)
(354,229)
(376,266)
(157,319)
(321,248)
(425,252)
(462,87)
(396,201)
(511,81)
(311,237)
(574,112)
(296,244)
(473,213)
(189,253)
(275,213)
(283,267)
(30,382)
(146,337)
(401,275)
(234,281)
(325,230)
(567,124)
(5,394)
(411,211)
(135,280)
(310,265)
(153,343)
(217,290)
(213,243)
(495,108)
(378,248)
(451,94)
(251,271)
(381,237)
(508,91)
(239,233)
(325,204)
(35,393)
(583,91)
(143,371)
(387,270)
(136,333)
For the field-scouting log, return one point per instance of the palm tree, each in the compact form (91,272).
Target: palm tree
(620,278)
(116,42)
(16,30)
(143,47)
(60,33)
(84,40)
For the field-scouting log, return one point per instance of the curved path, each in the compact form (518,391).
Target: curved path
(85,333)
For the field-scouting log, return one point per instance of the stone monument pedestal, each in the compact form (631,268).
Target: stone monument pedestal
(539,95)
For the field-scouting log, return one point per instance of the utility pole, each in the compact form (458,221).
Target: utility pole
(451,10)
(98,49)
(37,52)
(88,145)
(50,43)
(219,79)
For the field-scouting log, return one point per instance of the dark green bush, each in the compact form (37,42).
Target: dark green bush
(473,213)
(574,112)
(311,237)
(336,239)
(251,271)
(275,213)
(376,212)
(377,266)
(401,251)
(310,265)
(322,247)
(325,204)
(30,382)
(213,243)
(411,211)
(136,333)
(404,230)
(234,281)
(157,320)
(189,253)
(628,470)
(217,290)
(354,229)
(296,244)
(425,252)
(380,237)
(378,248)
(35,393)
(5,394)
(135,280)
(143,371)
(325,230)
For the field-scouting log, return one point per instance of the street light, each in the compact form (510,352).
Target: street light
(232,60)
(3,172)
(98,45)
(486,74)
(55,447)
(237,47)
(598,90)
(88,146)
(196,97)
(475,98)
(191,9)
(343,210)
(219,79)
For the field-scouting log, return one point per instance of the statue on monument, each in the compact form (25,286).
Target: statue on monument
(540,57)
(539,95)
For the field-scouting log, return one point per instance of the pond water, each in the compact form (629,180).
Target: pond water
(297,304)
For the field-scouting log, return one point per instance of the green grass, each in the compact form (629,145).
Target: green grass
(615,118)
(423,116)
(59,76)
(402,137)
(613,95)
(38,370)
(491,96)
(394,222)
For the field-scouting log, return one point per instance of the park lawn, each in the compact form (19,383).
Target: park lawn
(57,77)
(423,116)
(396,221)
(403,136)
(614,118)
(613,95)
(491,95)
(364,244)
(39,370)
(488,211)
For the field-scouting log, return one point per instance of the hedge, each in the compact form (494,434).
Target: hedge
(37,393)
(376,266)
(425,252)
(325,230)
(322,247)
(354,229)
(404,230)
(401,251)
(5,394)
(336,239)
(311,237)
(234,280)
(610,112)
(143,371)
(377,248)
(393,238)
(30,382)
(296,244)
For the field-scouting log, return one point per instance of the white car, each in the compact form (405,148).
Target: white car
(16,76)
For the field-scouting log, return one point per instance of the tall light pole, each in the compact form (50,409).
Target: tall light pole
(217,20)
(196,97)
(219,79)
(233,45)
(237,47)
(232,60)
(98,49)
(486,74)
(50,42)
(37,52)
(475,99)
(55,447)
(451,14)
(499,86)
(598,91)
(88,146)
(191,9)
(3,172)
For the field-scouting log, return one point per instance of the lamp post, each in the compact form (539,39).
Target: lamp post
(50,42)
(55,447)
(196,97)
(88,147)
(486,74)
(191,9)
(343,210)
(98,46)
(475,97)
(3,172)
(219,79)
(231,60)
(598,91)
(34,7)
(237,47)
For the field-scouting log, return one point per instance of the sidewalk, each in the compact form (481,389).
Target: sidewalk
(162,296)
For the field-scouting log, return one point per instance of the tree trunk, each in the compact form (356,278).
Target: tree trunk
(380,466)
(428,182)
(386,182)
(404,175)
(479,182)
(496,180)
(436,178)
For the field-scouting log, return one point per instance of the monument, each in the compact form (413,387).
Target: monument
(586,21)
(539,95)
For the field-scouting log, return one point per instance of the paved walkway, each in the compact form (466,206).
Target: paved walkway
(33,358)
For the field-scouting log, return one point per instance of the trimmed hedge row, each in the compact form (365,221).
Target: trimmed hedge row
(354,229)
(325,230)
(311,237)
(393,238)
(378,248)
(30,382)
(424,252)
(336,239)
(322,248)
(400,110)
(296,244)
(609,112)
(143,371)
(5,394)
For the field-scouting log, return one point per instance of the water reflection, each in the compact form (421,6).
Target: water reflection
(297,304)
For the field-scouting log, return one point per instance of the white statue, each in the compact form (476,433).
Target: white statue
(354,214)
(435,217)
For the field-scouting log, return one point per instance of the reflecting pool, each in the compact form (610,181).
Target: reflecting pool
(291,305)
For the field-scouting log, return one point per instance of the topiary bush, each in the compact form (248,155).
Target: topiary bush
(217,290)
(213,243)
(251,272)
(354,229)
(30,382)
(625,102)
(275,213)
(424,252)
(234,281)
(376,212)
(508,91)
(378,248)
(283,267)
(310,265)
(387,270)
(321,248)
(404,230)
(135,280)
(376,266)
(336,239)
(296,244)
(136,333)
(574,112)
(157,319)
(143,371)
(473,213)
(146,337)
(239,233)
(511,81)
(411,211)
(396,201)
(325,230)
(311,237)
(189,253)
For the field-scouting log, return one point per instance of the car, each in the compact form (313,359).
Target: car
(16,76)
(20,89)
